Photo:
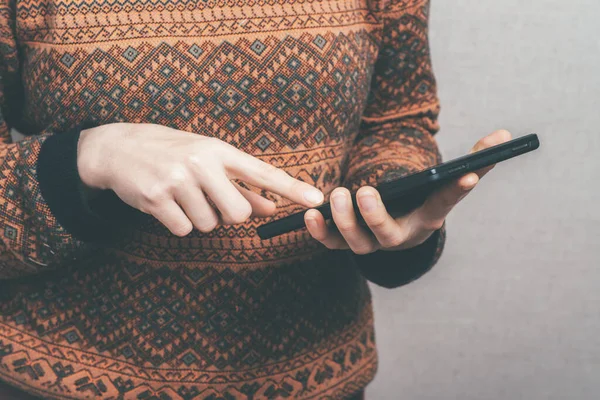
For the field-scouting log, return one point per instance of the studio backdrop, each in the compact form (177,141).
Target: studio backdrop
(512,310)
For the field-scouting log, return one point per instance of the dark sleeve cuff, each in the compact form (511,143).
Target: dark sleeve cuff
(392,269)
(97,220)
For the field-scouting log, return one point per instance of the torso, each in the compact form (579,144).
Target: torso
(218,314)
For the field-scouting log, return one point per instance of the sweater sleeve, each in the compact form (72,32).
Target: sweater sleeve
(397,131)
(45,220)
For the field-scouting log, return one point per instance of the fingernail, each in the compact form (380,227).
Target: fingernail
(368,202)
(312,223)
(313,196)
(339,202)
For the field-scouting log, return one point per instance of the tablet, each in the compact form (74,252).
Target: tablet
(400,196)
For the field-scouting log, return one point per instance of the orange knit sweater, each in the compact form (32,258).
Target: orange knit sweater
(336,92)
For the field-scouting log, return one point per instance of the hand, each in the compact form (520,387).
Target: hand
(384,232)
(169,173)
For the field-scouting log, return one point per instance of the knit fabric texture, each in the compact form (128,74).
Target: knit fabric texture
(97,305)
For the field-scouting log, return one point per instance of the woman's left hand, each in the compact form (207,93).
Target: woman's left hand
(385,232)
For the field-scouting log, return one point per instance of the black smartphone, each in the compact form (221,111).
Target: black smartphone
(400,196)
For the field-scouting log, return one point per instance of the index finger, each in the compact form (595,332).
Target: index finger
(266,176)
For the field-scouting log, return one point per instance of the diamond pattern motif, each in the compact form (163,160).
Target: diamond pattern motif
(319,136)
(189,359)
(67,60)
(263,143)
(230,309)
(10,232)
(258,47)
(71,337)
(195,50)
(320,41)
(295,102)
(130,53)
(220,314)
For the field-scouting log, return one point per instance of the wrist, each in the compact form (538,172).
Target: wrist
(91,164)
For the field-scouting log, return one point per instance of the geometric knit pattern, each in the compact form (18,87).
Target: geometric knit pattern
(337,93)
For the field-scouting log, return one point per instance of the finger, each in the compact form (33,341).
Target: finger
(232,205)
(493,139)
(197,209)
(261,207)
(387,230)
(318,229)
(433,212)
(266,176)
(172,216)
(435,209)
(359,239)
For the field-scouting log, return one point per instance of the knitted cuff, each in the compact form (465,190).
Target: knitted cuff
(97,220)
(392,269)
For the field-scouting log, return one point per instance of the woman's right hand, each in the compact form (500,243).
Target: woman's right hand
(168,173)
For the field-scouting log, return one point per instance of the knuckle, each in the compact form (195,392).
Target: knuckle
(433,224)
(322,239)
(177,176)
(393,241)
(294,184)
(195,160)
(363,249)
(268,171)
(376,221)
(239,214)
(347,227)
(329,245)
(203,163)
(153,196)
(147,209)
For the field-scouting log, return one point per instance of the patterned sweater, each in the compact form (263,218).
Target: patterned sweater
(97,301)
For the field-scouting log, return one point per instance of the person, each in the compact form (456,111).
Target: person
(158,136)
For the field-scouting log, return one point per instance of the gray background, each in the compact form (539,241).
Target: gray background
(512,310)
